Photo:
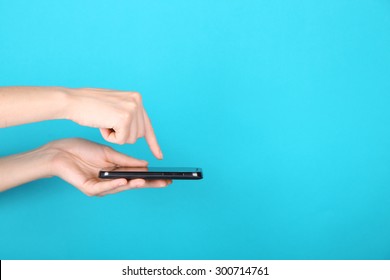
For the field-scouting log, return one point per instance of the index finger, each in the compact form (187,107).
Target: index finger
(151,138)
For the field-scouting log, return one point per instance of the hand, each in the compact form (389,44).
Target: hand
(78,162)
(119,115)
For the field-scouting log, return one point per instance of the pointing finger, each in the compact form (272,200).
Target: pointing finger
(151,138)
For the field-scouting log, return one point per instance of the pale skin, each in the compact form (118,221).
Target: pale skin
(120,116)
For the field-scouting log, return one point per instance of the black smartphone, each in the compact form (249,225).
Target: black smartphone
(150,173)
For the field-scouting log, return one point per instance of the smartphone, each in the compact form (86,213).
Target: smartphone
(150,173)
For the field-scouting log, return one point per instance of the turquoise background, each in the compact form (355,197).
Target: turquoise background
(285,104)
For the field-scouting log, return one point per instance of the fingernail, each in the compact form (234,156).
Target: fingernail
(161,155)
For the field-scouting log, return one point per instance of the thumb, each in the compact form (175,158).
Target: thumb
(113,136)
(124,160)
(106,186)
(105,132)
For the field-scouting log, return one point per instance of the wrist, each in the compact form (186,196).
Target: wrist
(45,157)
(55,158)
(21,168)
(63,98)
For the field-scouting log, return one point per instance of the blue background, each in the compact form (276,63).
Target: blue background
(285,104)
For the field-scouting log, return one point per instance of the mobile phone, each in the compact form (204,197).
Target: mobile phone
(150,173)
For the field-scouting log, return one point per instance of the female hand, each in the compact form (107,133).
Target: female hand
(119,115)
(78,162)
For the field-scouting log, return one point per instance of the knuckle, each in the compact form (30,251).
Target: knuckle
(141,133)
(127,115)
(107,149)
(121,141)
(132,106)
(136,96)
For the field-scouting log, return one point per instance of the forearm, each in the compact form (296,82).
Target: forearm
(19,105)
(19,169)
